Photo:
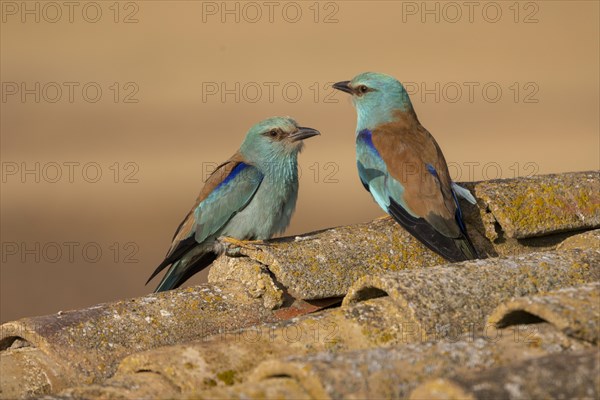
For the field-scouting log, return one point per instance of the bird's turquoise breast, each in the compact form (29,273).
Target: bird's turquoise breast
(268,214)
(374,173)
(371,168)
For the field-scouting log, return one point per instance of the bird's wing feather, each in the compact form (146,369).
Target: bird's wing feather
(227,199)
(226,192)
(463,193)
(395,169)
(414,160)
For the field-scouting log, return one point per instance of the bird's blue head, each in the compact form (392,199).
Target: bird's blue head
(275,140)
(376,98)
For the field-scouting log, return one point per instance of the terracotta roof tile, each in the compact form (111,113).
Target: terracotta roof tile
(461,296)
(394,372)
(586,240)
(574,310)
(519,324)
(557,376)
(543,204)
(438,304)
(86,345)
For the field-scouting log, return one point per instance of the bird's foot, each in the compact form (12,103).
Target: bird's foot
(234,246)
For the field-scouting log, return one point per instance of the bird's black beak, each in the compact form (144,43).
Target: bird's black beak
(343,86)
(303,133)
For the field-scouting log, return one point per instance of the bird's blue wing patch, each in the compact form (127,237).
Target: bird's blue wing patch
(228,198)
(234,172)
(374,173)
(458,215)
(432,170)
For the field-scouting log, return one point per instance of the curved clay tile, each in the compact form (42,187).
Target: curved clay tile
(391,373)
(85,346)
(542,204)
(573,310)
(557,376)
(457,298)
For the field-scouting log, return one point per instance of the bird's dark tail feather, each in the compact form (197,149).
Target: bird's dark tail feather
(179,273)
(453,249)
(183,247)
(466,247)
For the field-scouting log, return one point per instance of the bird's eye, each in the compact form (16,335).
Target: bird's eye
(362,89)
(273,133)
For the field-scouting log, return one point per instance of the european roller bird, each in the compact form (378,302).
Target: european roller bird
(251,196)
(401,165)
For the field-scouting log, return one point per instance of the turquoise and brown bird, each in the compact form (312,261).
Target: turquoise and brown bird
(401,165)
(251,196)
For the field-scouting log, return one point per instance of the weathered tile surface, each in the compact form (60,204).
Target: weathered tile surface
(459,295)
(85,346)
(557,376)
(543,204)
(524,324)
(574,310)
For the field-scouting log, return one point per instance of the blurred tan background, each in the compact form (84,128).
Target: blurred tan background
(507,89)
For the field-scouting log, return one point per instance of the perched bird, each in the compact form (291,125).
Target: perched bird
(402,166)
(251,196)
